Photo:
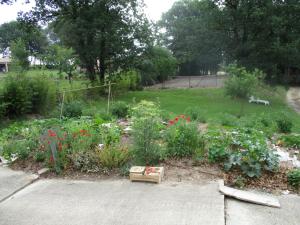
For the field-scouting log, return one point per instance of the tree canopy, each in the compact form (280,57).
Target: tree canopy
(32,35)
(262,34)
(105,34)
(192,36)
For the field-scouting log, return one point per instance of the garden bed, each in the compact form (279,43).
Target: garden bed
(189,148)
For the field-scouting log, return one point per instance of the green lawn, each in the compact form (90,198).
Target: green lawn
(211,101)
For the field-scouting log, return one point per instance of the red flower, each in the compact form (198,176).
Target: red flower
(51,133)
(171,122)
(176,119)
(188,119)
(51,159)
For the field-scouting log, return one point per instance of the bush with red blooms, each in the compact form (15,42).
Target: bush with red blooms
(179,119)
(60,145)
(182,137)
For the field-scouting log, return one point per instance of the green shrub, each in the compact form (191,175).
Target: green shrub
(284,124)
(244,149)
(146,147)
(22,95)
(217,153)
(183,140)
(294,178)
(290,140)
(120,109)
(196,114)
(43,95)
(85,161)
(40,156)
(145,109)
(113,156)
(110,134)
(20,149)
(17,97)
(73,109)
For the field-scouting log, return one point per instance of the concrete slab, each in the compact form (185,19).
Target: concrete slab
(117,202)
(12,181)
(240,213)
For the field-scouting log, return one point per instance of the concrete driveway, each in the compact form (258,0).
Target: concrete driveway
(117,202)
(120,202)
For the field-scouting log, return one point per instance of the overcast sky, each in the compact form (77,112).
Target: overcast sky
(154,9)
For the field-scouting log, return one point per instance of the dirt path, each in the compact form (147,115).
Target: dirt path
(293,98)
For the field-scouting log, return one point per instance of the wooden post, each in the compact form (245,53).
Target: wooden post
(189,81)
(62,105)
(6,67)
(108,98)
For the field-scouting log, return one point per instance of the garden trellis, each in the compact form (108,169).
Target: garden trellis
(84,89)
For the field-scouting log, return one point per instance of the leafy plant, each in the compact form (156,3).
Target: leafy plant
(245,149)
(110,134)
(241,83)
(196,114)
(183,139)
(294,178)
(290,140)
(73,109)
(146,146)
(120,109)
(284,124)
(114,156)
(145,109)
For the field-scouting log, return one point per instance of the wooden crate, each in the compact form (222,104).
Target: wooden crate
(148,174)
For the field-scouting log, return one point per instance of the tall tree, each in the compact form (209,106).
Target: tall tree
(262,34)
(32,36)
(192,35)
(105,34)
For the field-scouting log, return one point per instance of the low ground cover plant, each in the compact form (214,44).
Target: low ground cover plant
(294,178)
(290,140)
(243,149)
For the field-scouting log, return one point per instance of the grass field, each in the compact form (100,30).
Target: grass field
(211,101)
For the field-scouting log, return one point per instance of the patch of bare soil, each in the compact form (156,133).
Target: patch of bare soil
(269,182)
(185,171)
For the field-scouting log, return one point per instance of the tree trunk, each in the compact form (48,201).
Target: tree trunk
(91,72)
(102,60)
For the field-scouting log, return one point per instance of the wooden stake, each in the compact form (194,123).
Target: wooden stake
(62,105)
(108,99)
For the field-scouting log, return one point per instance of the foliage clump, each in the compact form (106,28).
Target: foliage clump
(244,149)
(284,124)
(73,109)
(120,109)
(146,133)
(182,138)
(294,178)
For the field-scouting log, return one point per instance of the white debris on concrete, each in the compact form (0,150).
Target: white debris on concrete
(285,157)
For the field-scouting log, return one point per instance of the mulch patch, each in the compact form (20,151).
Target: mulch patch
(175,170)
(269,182)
